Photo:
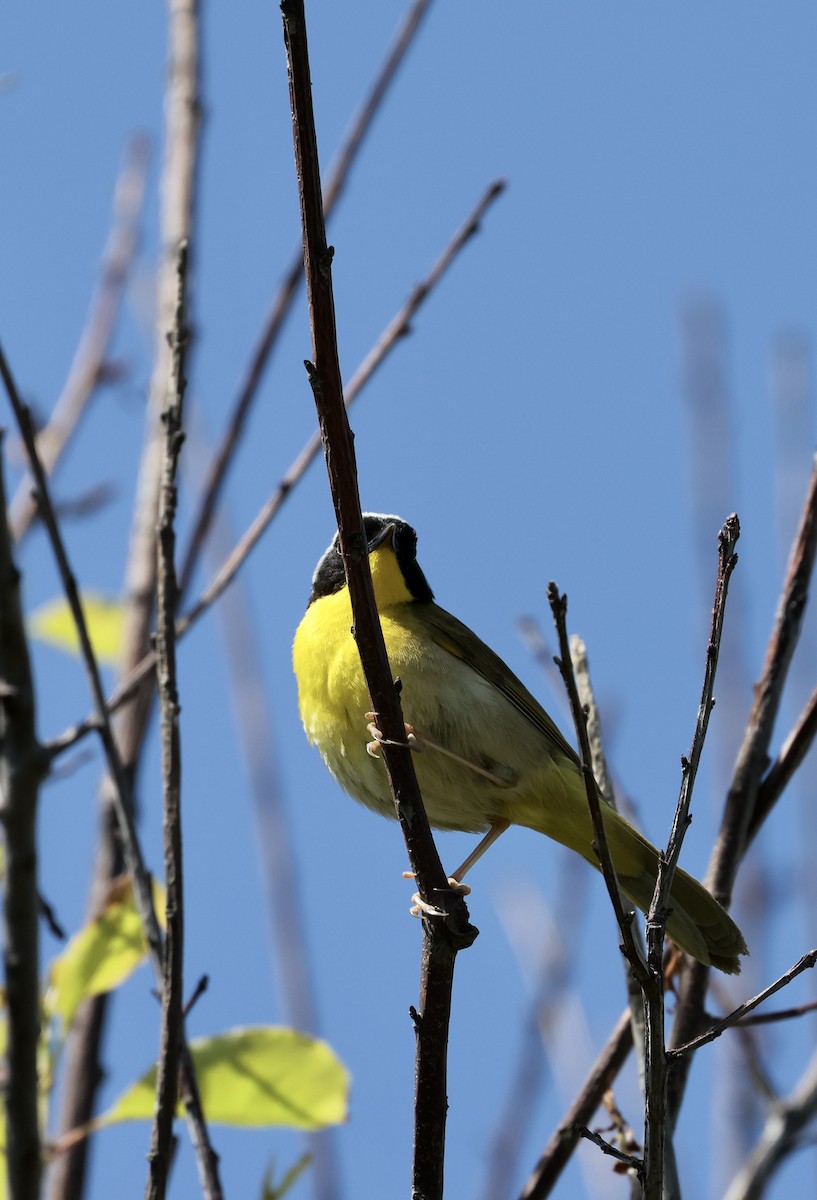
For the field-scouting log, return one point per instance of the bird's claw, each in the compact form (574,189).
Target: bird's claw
(461,889)
(373,747)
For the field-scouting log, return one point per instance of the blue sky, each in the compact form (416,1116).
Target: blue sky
(533,427)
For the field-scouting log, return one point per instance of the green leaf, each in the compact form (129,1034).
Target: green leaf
(53,623)
(255,1077)
(103,954)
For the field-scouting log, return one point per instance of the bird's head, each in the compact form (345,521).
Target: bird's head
(391,544)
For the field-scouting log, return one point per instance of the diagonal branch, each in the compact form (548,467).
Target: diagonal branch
(88,366)
(715,1031)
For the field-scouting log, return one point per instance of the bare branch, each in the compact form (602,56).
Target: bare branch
(558,604)
(23,765)
(172,1035)
(657,1143)
(121,797)
(742,799)
(635,1164)
(777,778)
(443,936)
(87,369)
(804,964)
(178,202)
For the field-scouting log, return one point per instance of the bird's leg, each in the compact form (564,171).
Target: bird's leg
(496,830)
(455,878)
(419,741)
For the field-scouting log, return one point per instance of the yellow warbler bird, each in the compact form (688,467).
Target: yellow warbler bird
(491,756)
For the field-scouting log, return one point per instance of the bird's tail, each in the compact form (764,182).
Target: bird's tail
(697,923)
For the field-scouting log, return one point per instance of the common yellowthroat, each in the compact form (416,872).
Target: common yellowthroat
(491,754)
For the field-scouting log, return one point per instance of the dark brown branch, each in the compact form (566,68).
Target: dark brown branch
(442,936)
(559,1149)
(23,766)
(742,799)
(715,1031)
(172,1035)
(558,604)
(635,1164)
(338,176)
(87,369)
(656,1140)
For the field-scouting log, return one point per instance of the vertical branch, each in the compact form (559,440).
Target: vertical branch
(178,193)
(657,1141)
(121,796)
(624,918)
(22,767)
(172,991)
(447,929)
(744,790)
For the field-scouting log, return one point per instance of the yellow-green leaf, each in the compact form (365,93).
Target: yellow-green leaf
(53,623)
(103,954)
(255,1077)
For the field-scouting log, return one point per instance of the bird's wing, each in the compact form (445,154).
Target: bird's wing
(457,639)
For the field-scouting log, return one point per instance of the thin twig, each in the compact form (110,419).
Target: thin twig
(338,176)
(715,1031)
(657,1138)
(558,604)
(87,368)
(601,773)
(559,1149)
(635,1164)
(172,1035)
(395,330)
(443,936)
(779,775)
(741,801)
(780,1014)
(22,768)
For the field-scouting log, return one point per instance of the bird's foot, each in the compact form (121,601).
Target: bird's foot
(462,889)
(373,748)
